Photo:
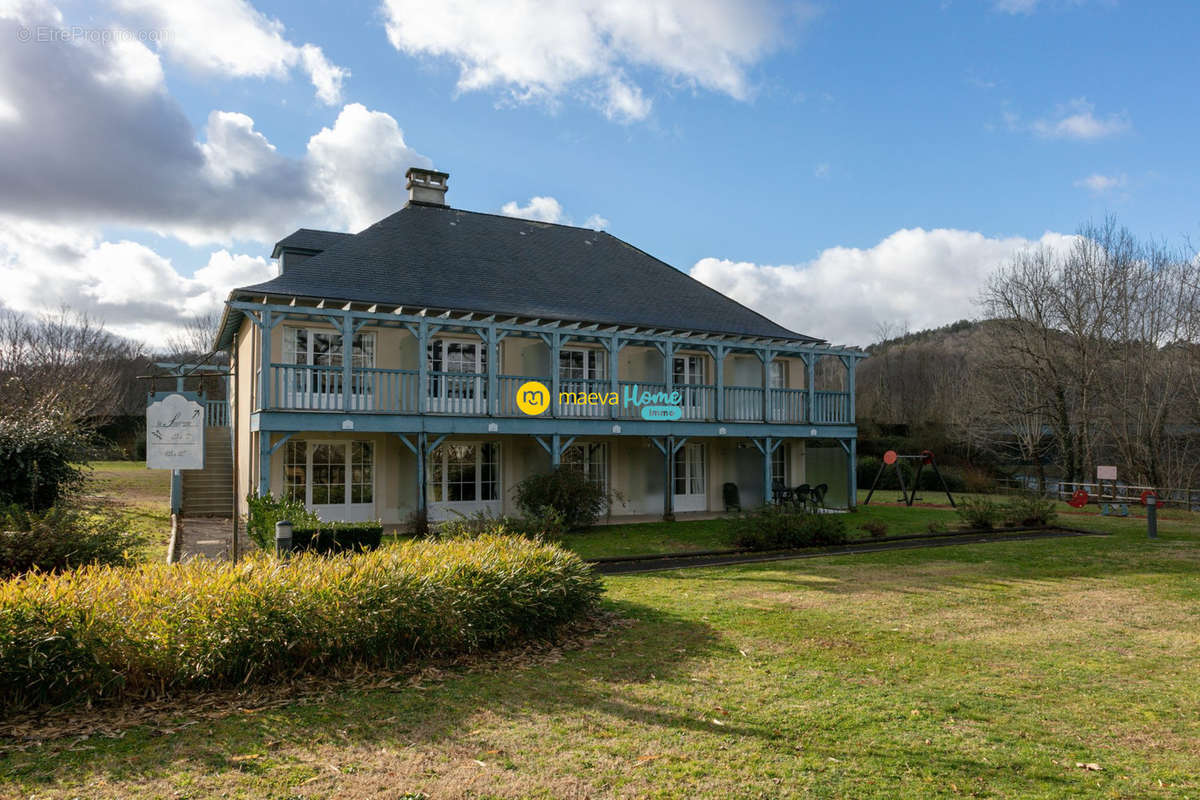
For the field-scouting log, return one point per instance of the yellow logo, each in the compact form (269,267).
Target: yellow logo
(533,397)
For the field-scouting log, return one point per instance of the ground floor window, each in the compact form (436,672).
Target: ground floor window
(591,459)
(465,472)
(780,464)
(689,470)
(327,473)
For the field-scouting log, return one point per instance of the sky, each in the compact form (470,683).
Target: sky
(845,168)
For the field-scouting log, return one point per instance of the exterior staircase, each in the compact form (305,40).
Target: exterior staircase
(208,492)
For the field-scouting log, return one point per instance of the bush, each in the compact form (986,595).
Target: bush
(568,491)
(416,524)
(60,538)
(39,460)
(979,512)
(338,537)
(152,629)
(264,511)
(876,529)
(546,525)
(1029,510)
(778,528)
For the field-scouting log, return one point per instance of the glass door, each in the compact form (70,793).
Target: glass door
(335,479)
(457,377)
(689,374)
(691,492)
(581,371)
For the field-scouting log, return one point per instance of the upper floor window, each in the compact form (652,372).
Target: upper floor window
(579,364)
(323,348)
(779,374)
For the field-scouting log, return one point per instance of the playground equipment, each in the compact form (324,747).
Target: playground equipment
(924,459)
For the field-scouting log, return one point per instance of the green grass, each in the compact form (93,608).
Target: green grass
(142,496)
(977,670)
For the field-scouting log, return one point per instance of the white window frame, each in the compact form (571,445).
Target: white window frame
(692,457)
(438,481)
(346,511)
(451,394)
(320,387)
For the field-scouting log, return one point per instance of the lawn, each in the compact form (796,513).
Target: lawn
(142,496)
(993,670)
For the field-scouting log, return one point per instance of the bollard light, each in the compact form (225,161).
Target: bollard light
(283,538)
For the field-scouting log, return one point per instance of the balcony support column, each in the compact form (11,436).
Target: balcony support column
(669,446)
(265,327)
(849,361)
(767,446)
(422,371)
(719,353)
(555,376)
(614,345)
(810,385)
(491,341)
(766,356)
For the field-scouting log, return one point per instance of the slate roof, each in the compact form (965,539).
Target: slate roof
(308,239)
(445,258)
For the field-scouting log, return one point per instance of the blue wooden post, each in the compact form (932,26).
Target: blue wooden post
(264,359)
(264,462)
(555,369)
(555,450)
(810,385)
(421,445)
(347,325)
(422,367)
(614,367)
(767,356)
(767,487)
(850,362)
(719,357)
(668,354)
(492,343)
(852,482)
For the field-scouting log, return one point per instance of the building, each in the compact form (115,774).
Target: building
(382,372)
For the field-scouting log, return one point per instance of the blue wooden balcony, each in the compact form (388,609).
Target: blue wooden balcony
(302,387)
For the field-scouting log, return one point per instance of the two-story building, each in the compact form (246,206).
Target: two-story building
(378,373)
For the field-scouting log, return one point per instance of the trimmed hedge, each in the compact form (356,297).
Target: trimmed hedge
(145,631)
(779,528)
(338,537)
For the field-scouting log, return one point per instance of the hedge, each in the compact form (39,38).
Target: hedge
(153,629)
(338,537)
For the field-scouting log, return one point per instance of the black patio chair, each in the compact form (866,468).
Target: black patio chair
(802,496)
(818,495)
(733,501)
(780,494)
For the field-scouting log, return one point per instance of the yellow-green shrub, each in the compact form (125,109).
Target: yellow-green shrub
(143,631)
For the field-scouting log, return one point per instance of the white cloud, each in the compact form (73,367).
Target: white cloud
(1077,120)
(138,292)
(358,166)
(232,38)
(548,209)
(821,170)
(541,209)
(541,51)
(914,276)
(1099,184)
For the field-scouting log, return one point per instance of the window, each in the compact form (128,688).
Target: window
(328,474)
(323,348)
(778,375)
(591,460)
(689,470)
(579,364)
(465,473)
(779,465)
(688,370)
(295,470)
(449,358)
(362,472)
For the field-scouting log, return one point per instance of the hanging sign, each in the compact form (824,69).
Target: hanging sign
(175,431)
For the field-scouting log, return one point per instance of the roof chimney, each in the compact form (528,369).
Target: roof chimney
(427,187)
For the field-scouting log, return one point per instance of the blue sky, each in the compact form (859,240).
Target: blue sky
(839,166)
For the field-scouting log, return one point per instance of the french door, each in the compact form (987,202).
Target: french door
(335,479)
(777,401)
(691,493)
(689,375)
(581,371)
(457,377)
(316,380)
(464,478)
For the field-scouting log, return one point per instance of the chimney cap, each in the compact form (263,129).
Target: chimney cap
(426,187)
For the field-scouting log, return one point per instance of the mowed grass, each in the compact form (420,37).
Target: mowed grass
(141,496)
(989,670)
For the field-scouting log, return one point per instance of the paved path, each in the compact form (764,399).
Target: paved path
(206,537)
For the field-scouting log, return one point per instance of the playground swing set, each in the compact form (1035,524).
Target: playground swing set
(924,459)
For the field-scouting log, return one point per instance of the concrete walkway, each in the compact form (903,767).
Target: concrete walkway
(206,537)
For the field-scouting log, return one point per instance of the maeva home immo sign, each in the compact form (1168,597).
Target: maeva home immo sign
(175,431)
